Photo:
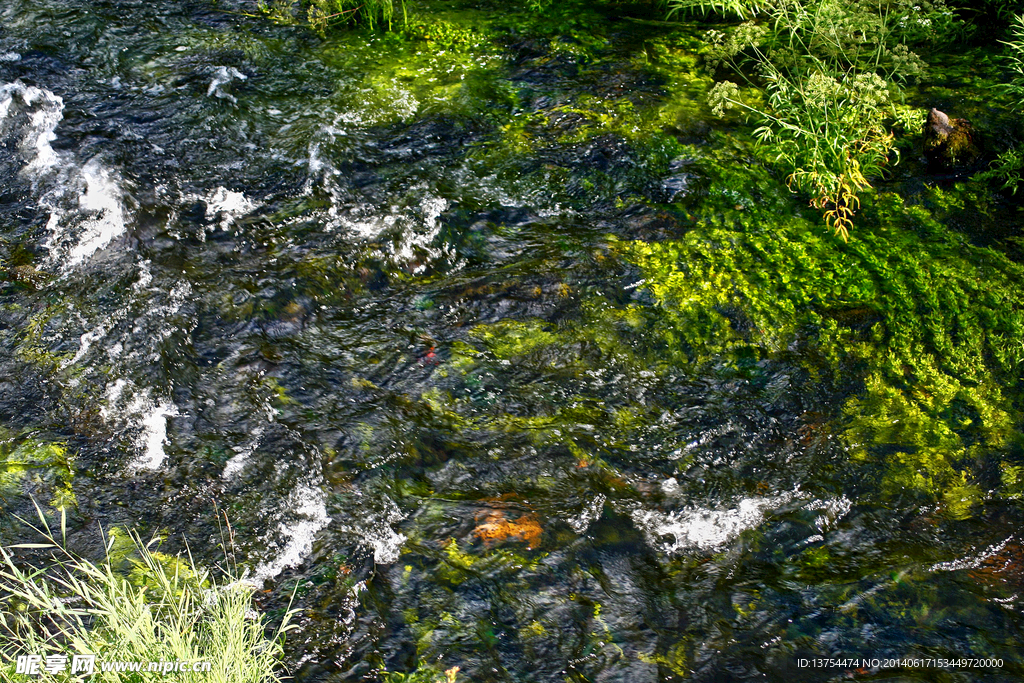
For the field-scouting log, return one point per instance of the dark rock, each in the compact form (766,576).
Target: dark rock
(950,143)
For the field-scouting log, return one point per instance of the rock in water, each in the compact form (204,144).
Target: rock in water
(950,143)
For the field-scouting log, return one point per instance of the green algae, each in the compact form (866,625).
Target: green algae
(509,339)
(45,468)
(925,320)
(424,673)
(918,329)
(123,553)
(441,66)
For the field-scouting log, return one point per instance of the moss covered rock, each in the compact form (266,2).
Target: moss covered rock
(950,143)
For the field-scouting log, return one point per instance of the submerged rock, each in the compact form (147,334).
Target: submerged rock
(950,143)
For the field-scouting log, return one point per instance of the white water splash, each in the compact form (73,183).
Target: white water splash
(308,504)
(85,203)
(832,510)
(223,75)
(322,171)
(10,57)
(145,276)
(226,206)
(154,435)
(971,562)
(102,197)
(128,408)
(378,534)
(410,229)
(243,456)
(85,342)
(702,528)
(44,111)
(591,513)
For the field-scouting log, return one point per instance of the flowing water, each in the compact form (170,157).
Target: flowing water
(367,300)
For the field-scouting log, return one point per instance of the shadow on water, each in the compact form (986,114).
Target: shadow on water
(373,299)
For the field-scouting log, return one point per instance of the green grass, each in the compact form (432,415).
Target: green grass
(150,607)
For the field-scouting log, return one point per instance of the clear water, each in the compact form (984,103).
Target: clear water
(326,290)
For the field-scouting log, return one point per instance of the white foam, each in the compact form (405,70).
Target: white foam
(9,57)
(154,435)
(113,397)
(971,562)
(102,197)
(591,513)
(129,408)
(44,111)
(323,170)
(223,75)
(378,534)
(80,229)
(832,510)
(243,455)
(228,206)
(308,503)
(430,210)
(410,228)
(374,108)
(702,528)
(403,103)
(85,342)
(145,276)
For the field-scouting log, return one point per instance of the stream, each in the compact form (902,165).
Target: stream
(376,309)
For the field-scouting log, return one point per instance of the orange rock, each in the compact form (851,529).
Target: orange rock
(495,528)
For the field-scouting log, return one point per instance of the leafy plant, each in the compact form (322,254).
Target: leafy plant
(739,8)
(1008,166)
(827,133)
(320,15)
(825,79)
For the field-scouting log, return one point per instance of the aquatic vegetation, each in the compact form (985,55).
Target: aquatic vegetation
(933,401)
(164,611)
(321,15)
(423,674)
(441,34)
(830,76)
(46,468)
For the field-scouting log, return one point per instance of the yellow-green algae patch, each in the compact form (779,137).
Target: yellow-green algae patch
(930,323)
(920,330)
(27,460)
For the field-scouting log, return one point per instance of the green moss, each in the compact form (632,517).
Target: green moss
(424,673)
(33,346)
(457,565)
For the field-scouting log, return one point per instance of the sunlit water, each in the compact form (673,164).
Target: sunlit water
(258,254)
